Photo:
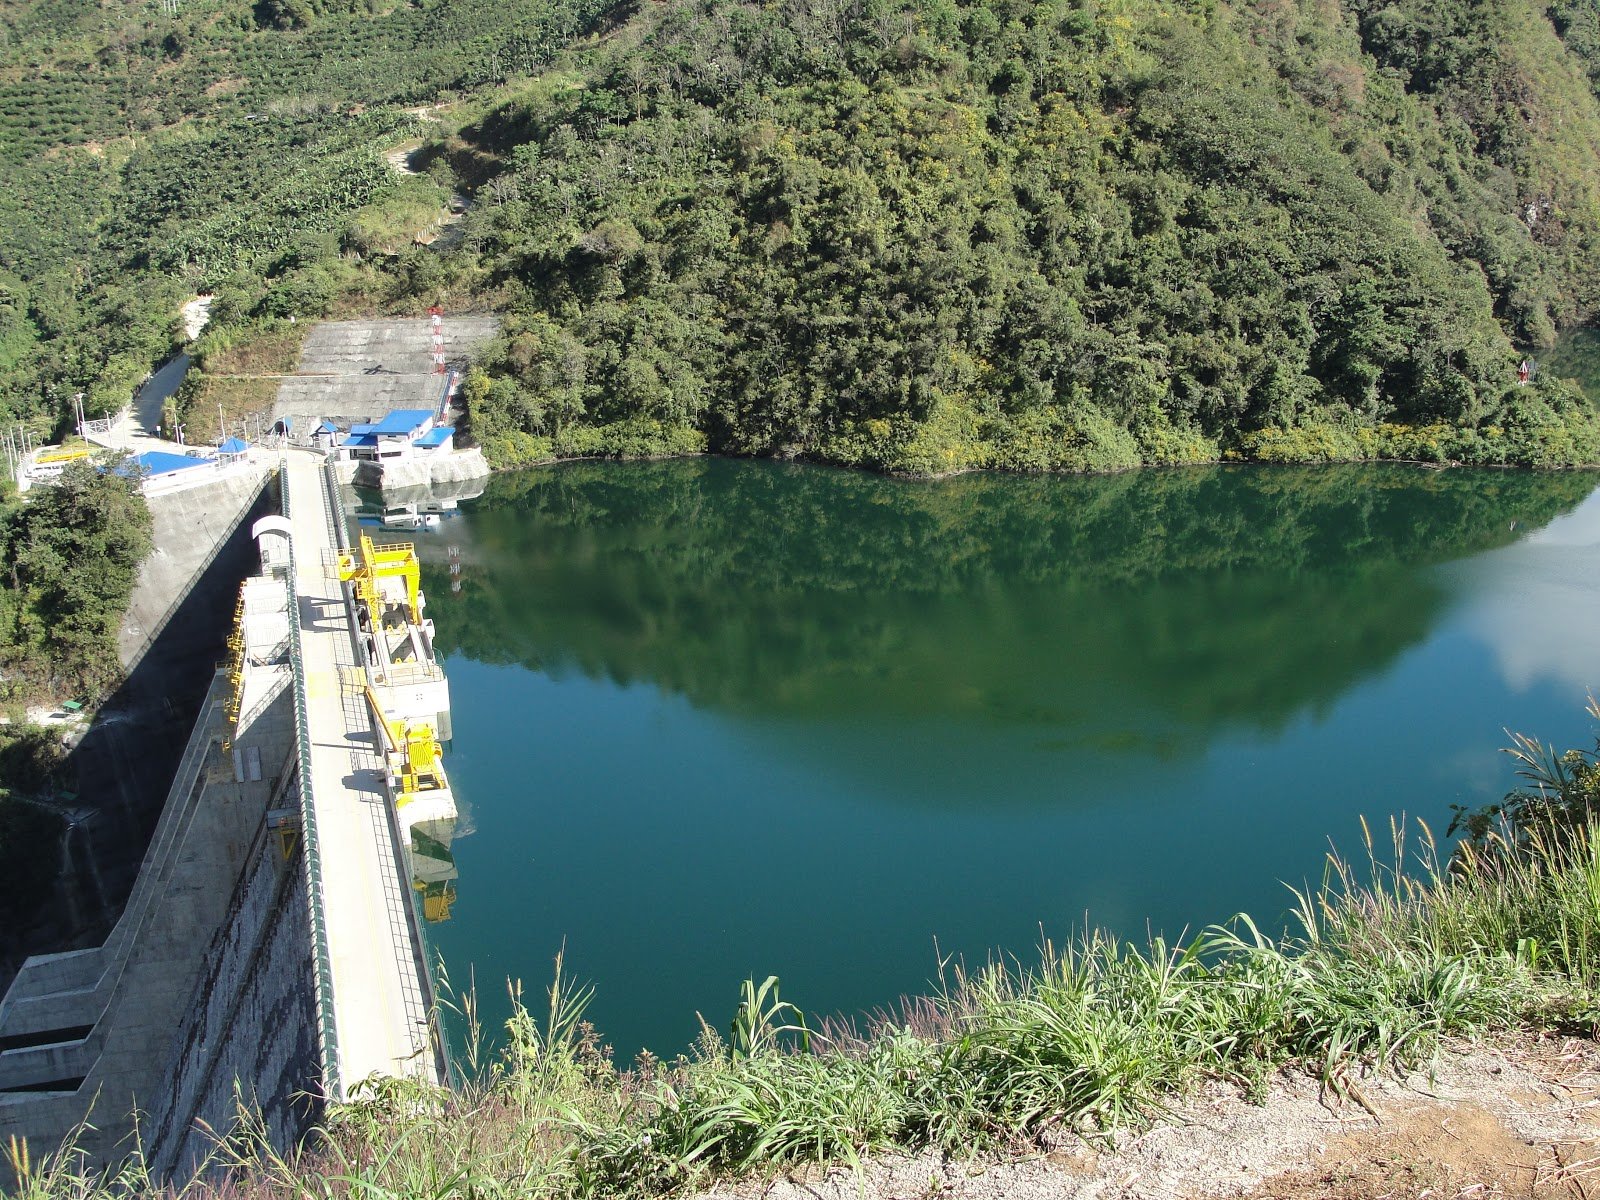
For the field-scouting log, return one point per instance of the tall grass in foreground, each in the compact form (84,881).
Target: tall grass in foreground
(1095,1035)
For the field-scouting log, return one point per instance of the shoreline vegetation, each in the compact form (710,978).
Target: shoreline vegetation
(1413,944)
(1432,447)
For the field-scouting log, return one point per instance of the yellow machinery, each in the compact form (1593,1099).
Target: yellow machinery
(433,867)
(436,899)
(285,826)
(414,754)
(235,672)
(371,563)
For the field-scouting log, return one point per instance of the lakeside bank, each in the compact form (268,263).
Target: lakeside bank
(1066,1061)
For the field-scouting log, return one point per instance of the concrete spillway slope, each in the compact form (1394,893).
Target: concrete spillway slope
(352,371)
(191,527)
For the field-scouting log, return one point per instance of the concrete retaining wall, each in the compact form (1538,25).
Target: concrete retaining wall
(352,371)
(249,1030)
(191,528)
(135,989)
(461,467)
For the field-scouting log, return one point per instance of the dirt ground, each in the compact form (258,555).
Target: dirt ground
(1519,1119)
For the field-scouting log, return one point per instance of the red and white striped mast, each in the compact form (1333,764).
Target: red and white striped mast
(436,318)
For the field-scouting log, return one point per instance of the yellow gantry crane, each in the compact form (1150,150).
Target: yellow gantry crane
(371,563)
(436,899)
(415,756)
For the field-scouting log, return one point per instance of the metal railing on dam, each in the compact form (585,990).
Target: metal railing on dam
(310,840)
(374,993)
(425,1012)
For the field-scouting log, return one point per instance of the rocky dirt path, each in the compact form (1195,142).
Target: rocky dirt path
(1518,1119)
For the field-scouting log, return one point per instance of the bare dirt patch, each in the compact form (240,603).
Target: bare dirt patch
(1467,1152)
(1518,1120)
(196,315)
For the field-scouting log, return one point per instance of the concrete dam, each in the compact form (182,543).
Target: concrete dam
(271,948)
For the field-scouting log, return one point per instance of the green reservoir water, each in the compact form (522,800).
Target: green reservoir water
(720,719)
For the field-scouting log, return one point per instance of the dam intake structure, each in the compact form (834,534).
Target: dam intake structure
(273,948)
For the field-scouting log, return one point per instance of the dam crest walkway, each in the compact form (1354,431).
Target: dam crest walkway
(373,990)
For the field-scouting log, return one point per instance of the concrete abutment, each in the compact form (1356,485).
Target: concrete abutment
(270,952)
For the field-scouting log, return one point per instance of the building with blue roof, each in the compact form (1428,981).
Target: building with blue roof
(435,438)
(156,469)
(153,463)
(325,435)
(409,423)
(403,434)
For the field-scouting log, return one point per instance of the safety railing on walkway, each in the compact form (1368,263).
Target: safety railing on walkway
(338,522)
(310,843)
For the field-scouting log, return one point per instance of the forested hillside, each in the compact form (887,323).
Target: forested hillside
(152,151)
(938,235)
(921,235)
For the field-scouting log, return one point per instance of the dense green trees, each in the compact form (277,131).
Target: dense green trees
(921,235)
(71,554)
(1040,235)
(231,146)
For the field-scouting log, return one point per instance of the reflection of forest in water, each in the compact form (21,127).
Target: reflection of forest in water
(1204,595)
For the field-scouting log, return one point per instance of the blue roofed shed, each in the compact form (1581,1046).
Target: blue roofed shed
(158,465)
(405,422)
(435,438)
(398,436)
(159,462)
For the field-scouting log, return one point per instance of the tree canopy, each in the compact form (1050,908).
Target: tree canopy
(72,553)
(933,236)
(918,235)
